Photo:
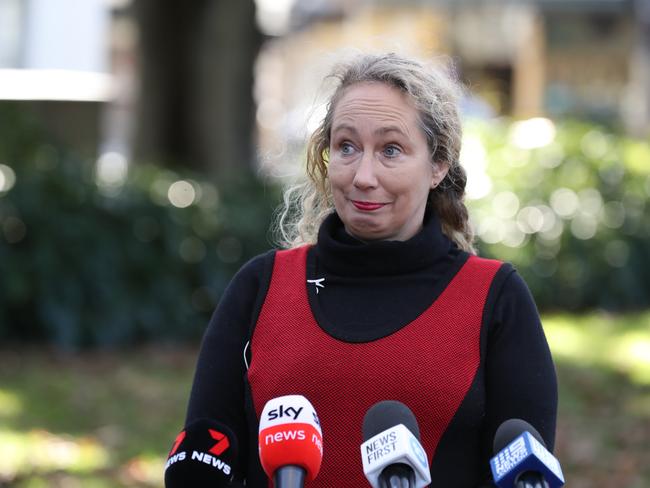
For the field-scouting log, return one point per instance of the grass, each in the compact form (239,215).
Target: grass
(603,362)
(108,419)
(105,420)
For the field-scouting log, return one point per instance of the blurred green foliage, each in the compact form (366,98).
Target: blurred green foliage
(92,262)
(93,257)
(567,203)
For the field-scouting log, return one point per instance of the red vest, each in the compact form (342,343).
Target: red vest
(428,365)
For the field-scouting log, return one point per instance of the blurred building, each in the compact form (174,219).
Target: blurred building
(73,61)
(524,58)
(55,61)
(166,82)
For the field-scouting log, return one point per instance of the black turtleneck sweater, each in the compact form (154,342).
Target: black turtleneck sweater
(373,290)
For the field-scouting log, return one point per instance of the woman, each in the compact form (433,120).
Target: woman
(379,295)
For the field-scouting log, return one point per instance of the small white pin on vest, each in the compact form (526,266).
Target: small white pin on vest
(318,283)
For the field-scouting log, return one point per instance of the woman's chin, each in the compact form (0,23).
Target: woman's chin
(366,231)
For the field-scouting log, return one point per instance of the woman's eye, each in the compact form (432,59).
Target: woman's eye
(392,151)
(346,148)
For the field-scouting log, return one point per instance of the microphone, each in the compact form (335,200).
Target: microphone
(391,452)
(522,460)
(290,441)
(202,455)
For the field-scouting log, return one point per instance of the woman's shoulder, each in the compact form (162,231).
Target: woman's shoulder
(250,278)
(510,301)
(508,283)
(243,294)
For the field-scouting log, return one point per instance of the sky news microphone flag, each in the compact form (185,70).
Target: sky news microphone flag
(290,435)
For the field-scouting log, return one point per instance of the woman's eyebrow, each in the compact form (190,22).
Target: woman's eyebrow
(391,128)
(380,130)
(349,127)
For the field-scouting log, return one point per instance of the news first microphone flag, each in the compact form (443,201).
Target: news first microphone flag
(393,446)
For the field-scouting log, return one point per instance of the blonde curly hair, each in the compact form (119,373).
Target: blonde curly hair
(436,96)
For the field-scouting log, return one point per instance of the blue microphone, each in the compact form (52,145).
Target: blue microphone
(522,460)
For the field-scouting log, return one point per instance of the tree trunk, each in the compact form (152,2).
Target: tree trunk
(196,104)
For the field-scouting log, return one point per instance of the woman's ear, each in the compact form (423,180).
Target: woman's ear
(440,170)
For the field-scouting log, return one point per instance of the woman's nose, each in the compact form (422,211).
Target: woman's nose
(365,176)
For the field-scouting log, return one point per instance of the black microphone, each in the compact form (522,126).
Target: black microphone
(203,455)
(391,453)
(521,459)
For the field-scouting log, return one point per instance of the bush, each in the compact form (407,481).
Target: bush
(87,264)
(567,203)
(87,259)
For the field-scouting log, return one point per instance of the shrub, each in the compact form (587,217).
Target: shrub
(568,204)
(84,263)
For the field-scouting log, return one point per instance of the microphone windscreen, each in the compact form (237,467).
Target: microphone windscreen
(290,434)
(387,414)
(392,448)
(510,429)
(202,455)
(519,451)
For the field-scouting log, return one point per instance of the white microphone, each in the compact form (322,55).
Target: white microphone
(391,452)
(290,441)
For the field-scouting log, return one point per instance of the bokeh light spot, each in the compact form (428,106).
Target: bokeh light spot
(530,220)
(7,178)
(513,236)
(594,144)
(613,214)
(555,232)
(549,218)
(505,204)
(591,201)
(111,170)
(552,156)
(584,226)
(532,133)
(181,194)
(474,160)
(564,202)
(209,196)
(490,230)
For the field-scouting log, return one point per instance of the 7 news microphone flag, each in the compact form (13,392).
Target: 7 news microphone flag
(202,455)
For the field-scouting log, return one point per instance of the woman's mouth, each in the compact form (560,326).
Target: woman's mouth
(367,206)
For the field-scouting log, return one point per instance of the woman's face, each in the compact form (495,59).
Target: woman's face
(380,171)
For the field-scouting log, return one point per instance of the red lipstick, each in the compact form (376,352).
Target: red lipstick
(367,206)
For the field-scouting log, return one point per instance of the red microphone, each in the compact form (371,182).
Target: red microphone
(290,441)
